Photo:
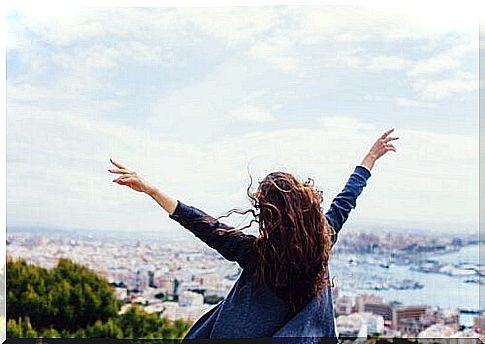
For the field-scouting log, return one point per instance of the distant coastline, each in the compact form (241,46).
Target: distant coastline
(180,234)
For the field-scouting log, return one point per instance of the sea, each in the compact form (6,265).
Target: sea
(439,290)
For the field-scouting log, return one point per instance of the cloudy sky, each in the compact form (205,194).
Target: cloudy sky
(191,98)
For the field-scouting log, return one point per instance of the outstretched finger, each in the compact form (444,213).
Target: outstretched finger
(390,146)
(387,139)
(125,180)
(117,164)
(123,177)
(383,136)
(122,170)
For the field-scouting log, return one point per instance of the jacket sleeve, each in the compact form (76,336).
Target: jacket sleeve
(231,243)
(346,200)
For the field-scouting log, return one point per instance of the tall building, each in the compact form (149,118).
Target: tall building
(151,279)
(408,319)
(165,283)
(361,300)
(381,309)
(137,280)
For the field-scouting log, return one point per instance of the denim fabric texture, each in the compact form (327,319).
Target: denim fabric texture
(244,314)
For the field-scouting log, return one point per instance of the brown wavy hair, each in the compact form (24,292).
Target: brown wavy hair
(294,242)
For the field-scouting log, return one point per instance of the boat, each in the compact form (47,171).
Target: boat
(469,310)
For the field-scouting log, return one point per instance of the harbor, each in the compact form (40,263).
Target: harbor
(448,282)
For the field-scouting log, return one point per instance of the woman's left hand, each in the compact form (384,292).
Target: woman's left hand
(383,145)
(379,148)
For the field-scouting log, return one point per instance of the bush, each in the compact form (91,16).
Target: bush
(72,301)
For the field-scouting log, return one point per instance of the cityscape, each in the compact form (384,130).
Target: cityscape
(201,100)
(182,278)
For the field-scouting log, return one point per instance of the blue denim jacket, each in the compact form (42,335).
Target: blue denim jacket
(243,314)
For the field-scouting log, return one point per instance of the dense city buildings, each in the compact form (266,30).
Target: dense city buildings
(184,278)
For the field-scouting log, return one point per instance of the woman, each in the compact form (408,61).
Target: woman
(284,289)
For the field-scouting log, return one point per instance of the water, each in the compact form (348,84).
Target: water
(468,254)
(439,290)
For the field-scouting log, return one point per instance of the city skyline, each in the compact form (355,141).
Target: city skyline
(191,98)
(182,279)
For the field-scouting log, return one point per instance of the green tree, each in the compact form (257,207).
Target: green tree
(20,328)
(50,333)
(72,301)
(69,296)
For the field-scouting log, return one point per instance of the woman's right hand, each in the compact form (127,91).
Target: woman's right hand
(130,178)
(379,148)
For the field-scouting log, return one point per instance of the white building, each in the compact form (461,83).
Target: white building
(183,286)
(169,309)
(121,293)
(209,279)
(360,322)
(154,308)
(173,311)
(437,331)
(190,298)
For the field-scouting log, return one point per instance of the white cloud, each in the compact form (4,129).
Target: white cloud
(440,88)
(388,63)
(435,65)
(276,35)
(236,25)
(276,50)
(385,23)
(448,60)
(413,103)
(84,24)
(377,63)
(57,170)
(57,160)
(252,114)
(85,42)
(426,74)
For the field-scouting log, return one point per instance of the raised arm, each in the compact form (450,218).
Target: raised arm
(346,200)
(231,243)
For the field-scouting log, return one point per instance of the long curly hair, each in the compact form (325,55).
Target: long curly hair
(294,242)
